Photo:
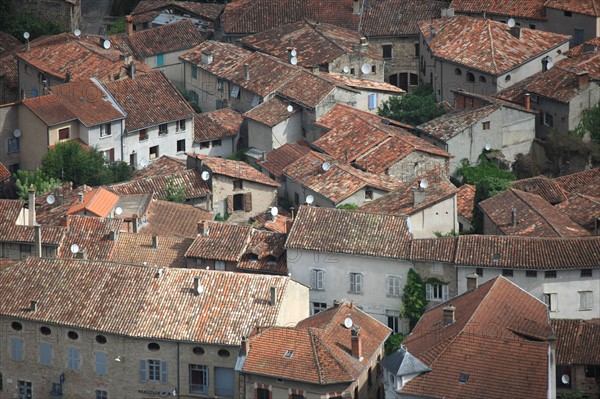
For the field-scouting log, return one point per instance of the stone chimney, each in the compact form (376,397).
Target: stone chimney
(197,287)
(154,242)
(418,195)
(128,25)
(273,298)
(207,58)
(134,223)
(516,32)
(448,315)
(472,281)
(31,205)
(527,104)
(356,344)
(131,70)
(203,228)
(583,80)
(37,240)
(355,7)
(513,216)
(80,195)
(247,71)
(244,346)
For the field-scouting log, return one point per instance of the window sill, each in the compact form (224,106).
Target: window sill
(142,140)
(585,310)
(180,131)
(355,293)
(317,289)
(392,296)
(13,152)
(105,136)
(162,134)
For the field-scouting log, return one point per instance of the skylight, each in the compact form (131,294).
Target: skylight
(289,354)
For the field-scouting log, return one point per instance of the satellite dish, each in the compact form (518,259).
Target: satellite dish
(290,108)
(366,68)
(511,23)
(488,147)
(409,225)
(310,199)
(118,211)
(26,35)
(293,53)
(144,163)
(77,32)
(294,61)
(50,199)
(423,184)
(326,166)
(274,211)
(106,44)
(565,379)
(205,175)
(348,323)
(346,69)
(74,249)
(17,132)
(549,60)
(549,65)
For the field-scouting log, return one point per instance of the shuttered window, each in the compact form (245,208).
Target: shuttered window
(45,354)
(356,283)
(16,349)
(248,202)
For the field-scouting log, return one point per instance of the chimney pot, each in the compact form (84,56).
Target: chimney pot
(419,195)
(528,101)
(131,69)
(37,238)
(154,242)
(513,212)
(516,32)
(207,58)
(273,299)
(197,287)
(80,195)
(32,221)
(449,315)
(247,71)
(203,228)
(244,348)
(134,223)
(356,344)
(128,25)
(472,281)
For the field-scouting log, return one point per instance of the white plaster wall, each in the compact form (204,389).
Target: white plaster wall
(440,217)
(91,136)
(226,148)
(172,68)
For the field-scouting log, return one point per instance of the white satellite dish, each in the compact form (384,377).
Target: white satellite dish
(511,23)
(293,53)
(346,69)
(144,163)
(565,379)
(274,211)
(326,166)
(26,35)
(488,147)
(310,199)
(77,32)
(74,249)
(290,108)
(294,61)
(17,132)
(118,211)
(106,44)
(205,175)
(366,68)
(409,225)
(348,323)
(549,60)
(50,199)
(423,184)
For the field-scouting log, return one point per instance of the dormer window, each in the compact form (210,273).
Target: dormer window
(253,257)
(288,354)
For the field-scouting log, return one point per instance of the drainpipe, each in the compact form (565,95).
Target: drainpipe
(178,389)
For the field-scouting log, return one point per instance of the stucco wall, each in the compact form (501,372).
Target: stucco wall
(440,217)
(265,138)
(356,61)
(205,86)
(172,67)
(558,22)
(417,164)
(263,196)
(91,136)
(224,150)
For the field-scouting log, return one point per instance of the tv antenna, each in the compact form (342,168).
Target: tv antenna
(294,61)
(325,166)
(106,44)
(77,32)
(17,132)
(290,108)
(274,211)
(488,147)
(118,211)
(423,184)
(348,323)
(205,175)
(346,69)
(293,53)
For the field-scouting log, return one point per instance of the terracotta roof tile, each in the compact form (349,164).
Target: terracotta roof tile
(98,202)
(548,189)
(278,159)
(365,84)
(265,253)
(165,165)
(307,89)
(585,7)
(10,231)
(4,172)
(590,45)
(217,124)
(176,36)
(398,17)
(133,301)
(10,72)
(465,201)
(492,327)
(530,9)
(149,100)
(441,249)
(8,43)
(224,241)
(272,111)
(171,219)
(137,249)
(91,234)
(224,56)
(486,45)
(577,341)
(535,217)
(582,209)
(321,347)
(235,169)
(65,197)
(50,109)
(578,180)
(153,7)
(357,233)
(190,180)
(453,123)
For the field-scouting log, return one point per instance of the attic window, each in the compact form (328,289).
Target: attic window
(253,257)
(507,78)
(288,354)
(470,77)
(457,72)
(463,378)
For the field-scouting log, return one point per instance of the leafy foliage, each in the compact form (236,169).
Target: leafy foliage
(393,343)
(38,180)
(219,218)
(413,298)
(590,123)
(413,108)
(188,97)
(473,174)
(525,166)
(486,188)
(174,193)
(348,207)
(18,23)
(117,27)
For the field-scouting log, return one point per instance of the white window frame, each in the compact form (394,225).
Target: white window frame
(105,127)
(317,279)
(393,285)
(586,300)
(317,307)
(356,281)
(435,294)
(73,359)
(235,91)
(551,299)
(203,369)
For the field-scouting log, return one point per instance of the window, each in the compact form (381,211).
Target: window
(372,101)
(417,50)
(352,71)
(296,199)
(153,346)
(507,78)
(552,301)
(393,286)
(318,307)
(205,144)
(220,265)
(101,394)
(45,330)
(73,359)
(194,96)
(143,134)
(198,378)
(436,292)
(548,119)
(482,79)
(479,271)
(507,272)
(14,144)
(63,134)
(393,320)
(181,145)
(586,300)
(368,194)
(238,184)
(101,368)
(198,350)
(25,250)
(317,280)
(568,13)
(263,393)
(154,152)
(216,143)
(578,36)
(387,51)
(255,100)
(586,272)
(181,124)
(530,273)
(238,202)
(370,377)
(105,130)
(531,26)
(458,71)
(224,381)
(109,155)
(220,84)
(16,349)
(470,77)
(591,371)
(486,125)
(16,326)
(356,283)
(160,59)
(153,371)
(194,72)
(162,129)
(235,92)
(374,69)
(101,339)
(550,274)
(45,354)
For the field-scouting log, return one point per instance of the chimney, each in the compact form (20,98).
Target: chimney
(513,219)
(68,77)
(128,25)
(31,205)
(247,71)
(288,225)
(528,101)
(419,195)
(355,7)
(432,31)
(273,299)
(112,235)
(472,281)
(449,315)
(197,287)
(82,254)
(356,344)
(33,306)
(37,239)
(80,195)
(203,228)
(207,58)
(244,348)
(583,80)
(364,42)
(516,32)
(154,242)
(131,69)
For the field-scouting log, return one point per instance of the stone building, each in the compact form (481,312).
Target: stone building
(66,13)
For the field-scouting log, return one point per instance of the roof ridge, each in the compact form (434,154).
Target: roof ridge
(492,47)
(315,356)
(329,352)
(534,208)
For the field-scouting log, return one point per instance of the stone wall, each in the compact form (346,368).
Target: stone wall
(66,13)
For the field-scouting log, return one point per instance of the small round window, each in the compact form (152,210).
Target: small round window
(101,339)
(153,346)
(45,330)
(223,353)
(198,350)
(73,335)
(16,326)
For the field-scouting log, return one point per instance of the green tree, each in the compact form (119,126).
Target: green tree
(486,188)
(18,23)
(413,108)
(117,27)
(38,180)
(348,207)
(473,174)
(590,123)
(190,99)
(174,192)
(413,298)
(393,343)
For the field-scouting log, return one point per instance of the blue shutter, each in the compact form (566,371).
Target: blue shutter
(143,371)
(160,59)
(373,101)
(164,373)
(46,354)
(17,349)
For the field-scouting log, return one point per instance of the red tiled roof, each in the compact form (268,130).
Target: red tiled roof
(10,72)
(11,232)
(165,165)
(278,159)
(530,9)
(578,180)
(442,249)
(137,249)
(134,301)
(190,180)
(321,347)
(365,84)
(582,209)
(4,172)
(90,234)
(585,7)
(455,122)
(99,202)
(580,49)
(307,89)
(235,169)
(149,100)
(548,189)
(171,219)
(265,252)
(217,124)
(465,201)
(8,43)
(176,36)
(50,109)
(494,326)
(272,111)
(535,216)
(225,56)
(577,341)
(65,197)
(356,233)
(398,17)
(153,7)
(486,45)
(224,241)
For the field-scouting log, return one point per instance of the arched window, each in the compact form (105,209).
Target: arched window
(482,79)
(457,72)
(470,77)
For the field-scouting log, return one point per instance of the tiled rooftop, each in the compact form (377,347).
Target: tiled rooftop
(224,56)
(530,9)
(190,180)
(137,249)
(4,172)
(582,209)
(585,7)
(171,219)
(577,341)
(486,45)
(278,159)
(147,10)
(99,202)
(453,123)
(138,301)
(222,241)
(272,111)
(548,189)
(50,109)
(398,17)
(576,51)
(235,169)
(91,234)
(357,233)
(8,43)
(465,201)
(363,84)
(577,181)
(10,231)
(442,249)
(265,253)
(216,124)
(165,165)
